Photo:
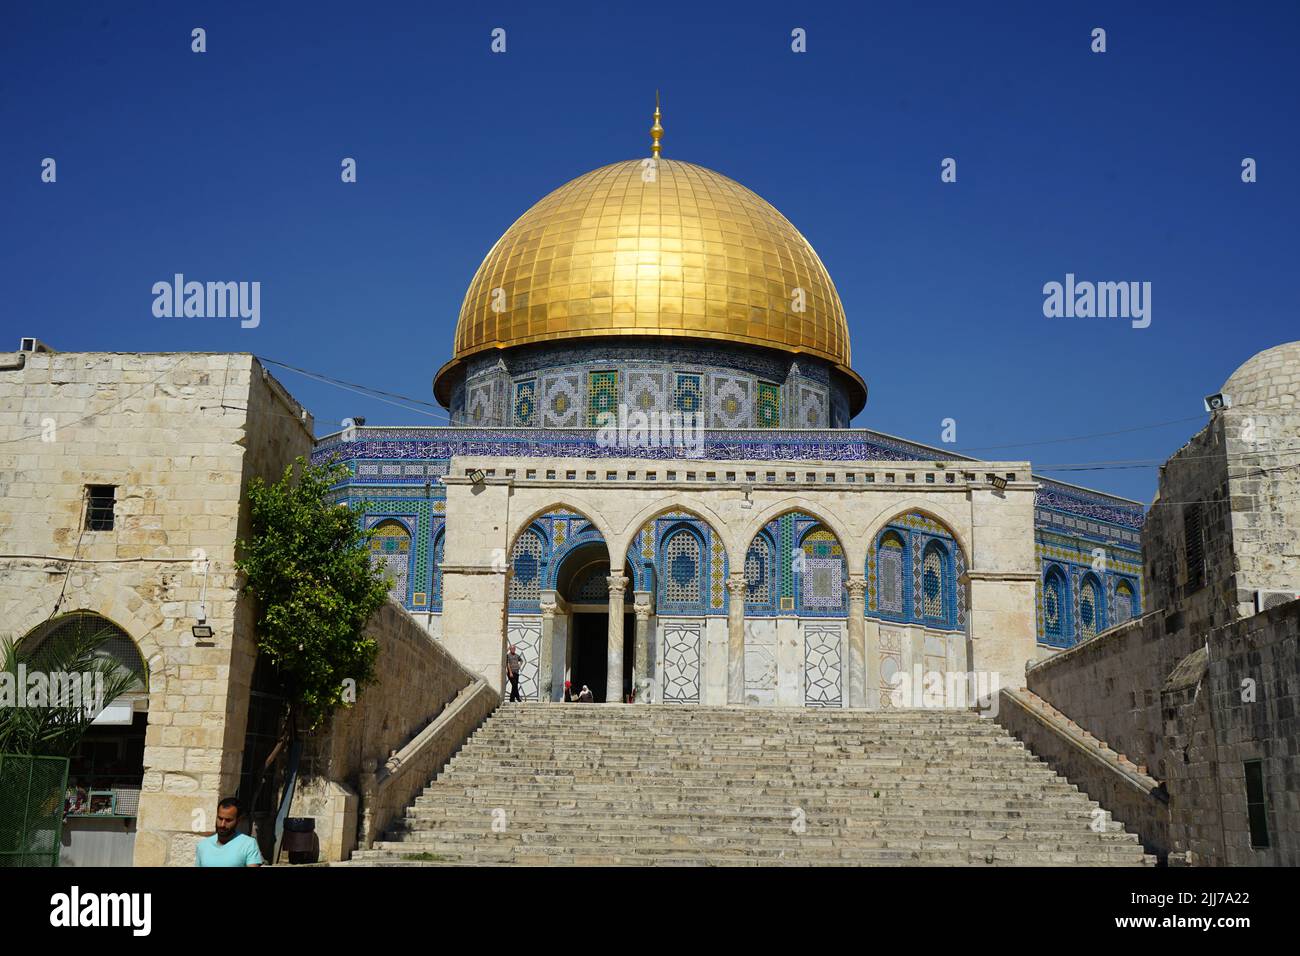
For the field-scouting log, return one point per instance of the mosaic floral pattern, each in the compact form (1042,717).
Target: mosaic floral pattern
(688,397)
(526,404)
(526,566)
(682,560)
(602,396)
(1090,609)
(1055,605)
(758,572)
(769,405)
(889,574)
(934,584)
(390,550)
(1123,603)
(822,578)
(912,574)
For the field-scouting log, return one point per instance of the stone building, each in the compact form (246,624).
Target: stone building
(648,485)
(1198,697)
(651,385)
(123,480)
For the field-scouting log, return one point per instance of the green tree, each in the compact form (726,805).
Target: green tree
(308,567)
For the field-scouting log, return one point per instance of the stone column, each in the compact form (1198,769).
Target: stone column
(641,662)
(614,675)
(857,641)
(546,653)
(737,588)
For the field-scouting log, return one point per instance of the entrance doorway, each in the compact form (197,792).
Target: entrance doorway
(590,664)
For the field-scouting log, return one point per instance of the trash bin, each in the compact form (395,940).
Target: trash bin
(300,839)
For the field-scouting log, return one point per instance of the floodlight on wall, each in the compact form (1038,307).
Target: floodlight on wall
(202,632)
(999,483)
(477,476)
(1217,403)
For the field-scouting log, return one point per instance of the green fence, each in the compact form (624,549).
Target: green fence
(32,790)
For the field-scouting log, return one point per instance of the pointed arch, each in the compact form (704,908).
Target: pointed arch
(569,510)
(683,583)
(528,560)
(391,552)
(821,572)
(1092,607)
(1125,602)
(914,566)
(760,575)
(1056,607)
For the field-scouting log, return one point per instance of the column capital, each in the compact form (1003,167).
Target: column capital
(738,583)
(617,583)
(643,611)
(549,608)
(857,586)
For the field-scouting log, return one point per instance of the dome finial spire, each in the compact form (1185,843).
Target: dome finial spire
(656,131)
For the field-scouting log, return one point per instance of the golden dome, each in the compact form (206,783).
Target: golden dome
(665,250)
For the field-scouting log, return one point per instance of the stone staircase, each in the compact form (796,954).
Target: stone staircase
(575,784)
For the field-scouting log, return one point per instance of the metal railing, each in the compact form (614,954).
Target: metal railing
(32,791)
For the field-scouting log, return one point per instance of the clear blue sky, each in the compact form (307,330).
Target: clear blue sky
(1116,166)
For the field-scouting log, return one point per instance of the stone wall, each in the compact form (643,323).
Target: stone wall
(1235,700)
(1194,476)
(179,435)
(416,680)
(1110,686)
(1136,799)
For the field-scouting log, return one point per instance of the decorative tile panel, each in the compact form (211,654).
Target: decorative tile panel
(681,642)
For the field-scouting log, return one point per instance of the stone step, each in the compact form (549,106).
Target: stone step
(678,786)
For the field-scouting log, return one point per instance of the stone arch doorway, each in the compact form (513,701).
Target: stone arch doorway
(582,593)
(106,769)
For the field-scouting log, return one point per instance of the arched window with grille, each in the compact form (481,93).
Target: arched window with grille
(821,579)
(758,573)
(681,580)
(935,597)
(1056,604)
(1124,603)
(1092,618)
(54,639)
(436,598)
(390,550)
(890,558)
(526,567)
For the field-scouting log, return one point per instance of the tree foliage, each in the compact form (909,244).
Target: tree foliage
(309,569)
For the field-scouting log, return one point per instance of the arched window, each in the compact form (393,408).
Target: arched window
(390,549)
(1055,607)
(889,574)
(526,567)
(758,571)
(53,639)
(936,583)
(1124,609)
(437,570)
(821,581)
(1091,608)
(682,560)
(592,586)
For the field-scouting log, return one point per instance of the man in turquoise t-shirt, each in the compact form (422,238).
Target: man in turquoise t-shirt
(228,847)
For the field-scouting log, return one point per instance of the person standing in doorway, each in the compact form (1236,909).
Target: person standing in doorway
(514,663)
(585,697)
